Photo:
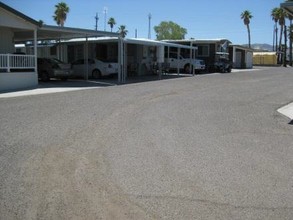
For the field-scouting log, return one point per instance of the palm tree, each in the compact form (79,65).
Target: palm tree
(41,23)
(60,14)
(275,18)
(246,16)
(281,15)
(290,35)
(122,30)
(111,22)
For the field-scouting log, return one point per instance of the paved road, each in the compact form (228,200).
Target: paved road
(205,147)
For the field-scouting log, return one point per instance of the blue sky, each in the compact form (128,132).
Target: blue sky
(207,19)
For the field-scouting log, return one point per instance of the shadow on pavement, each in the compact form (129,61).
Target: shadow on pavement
(55,85)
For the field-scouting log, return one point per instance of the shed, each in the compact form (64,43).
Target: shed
(242,57)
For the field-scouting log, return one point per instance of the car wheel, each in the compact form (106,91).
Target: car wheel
(96,74)
(187,68)
(222,70)
(45,76)
(229,70)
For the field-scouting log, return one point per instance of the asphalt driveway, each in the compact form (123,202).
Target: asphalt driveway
(205,147)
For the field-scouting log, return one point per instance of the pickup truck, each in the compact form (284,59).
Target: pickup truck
(184,63)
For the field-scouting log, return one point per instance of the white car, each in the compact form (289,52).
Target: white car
(96,68)
(184,63)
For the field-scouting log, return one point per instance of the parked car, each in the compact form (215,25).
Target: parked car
(222,63)
(96,68)
(53,68)
(184,63)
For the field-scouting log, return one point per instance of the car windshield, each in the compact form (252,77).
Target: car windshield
(56,61)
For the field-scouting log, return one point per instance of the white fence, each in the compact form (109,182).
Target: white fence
(16,62)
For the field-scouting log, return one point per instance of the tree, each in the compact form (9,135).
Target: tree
(122,31)
(168,30)
(281,15)
(111,22)
(41,23)
(246,16)
(60,14)
(290,35)
(275,17)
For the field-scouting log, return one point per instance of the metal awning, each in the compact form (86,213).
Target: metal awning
(49,32)
(148,42)
(199,41)
(288,7)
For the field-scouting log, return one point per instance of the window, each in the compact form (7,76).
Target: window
(203,51)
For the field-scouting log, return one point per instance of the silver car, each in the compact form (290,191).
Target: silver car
(96,68)
(53,68)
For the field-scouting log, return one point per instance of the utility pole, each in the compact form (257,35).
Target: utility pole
(150,17)
(97,20)
(105,17)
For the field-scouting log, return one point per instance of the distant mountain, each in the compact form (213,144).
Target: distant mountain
(260,47)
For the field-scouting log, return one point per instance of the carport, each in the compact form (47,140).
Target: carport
(137,56)
(49,33)
(152,53)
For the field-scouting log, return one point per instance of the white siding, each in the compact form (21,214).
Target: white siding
(6,37)
(8,19)
(249,60)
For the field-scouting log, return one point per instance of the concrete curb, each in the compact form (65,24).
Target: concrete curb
(287,110)
(41,91)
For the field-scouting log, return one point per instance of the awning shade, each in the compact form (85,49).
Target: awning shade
(48,32)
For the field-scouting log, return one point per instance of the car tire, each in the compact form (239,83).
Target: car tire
(96,74)
(45,76)
(187,68)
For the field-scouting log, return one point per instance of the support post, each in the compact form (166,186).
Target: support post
(178,55)
(86,59)
(124,62)
(8,63)
(191,69)
(234,56)
(36,50)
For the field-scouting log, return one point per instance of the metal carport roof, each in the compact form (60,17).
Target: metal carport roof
(49,32)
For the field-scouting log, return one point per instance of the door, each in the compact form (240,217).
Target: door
(238,60)
(249,60)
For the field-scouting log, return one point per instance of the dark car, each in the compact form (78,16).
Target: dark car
(222,64)
(53,68)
